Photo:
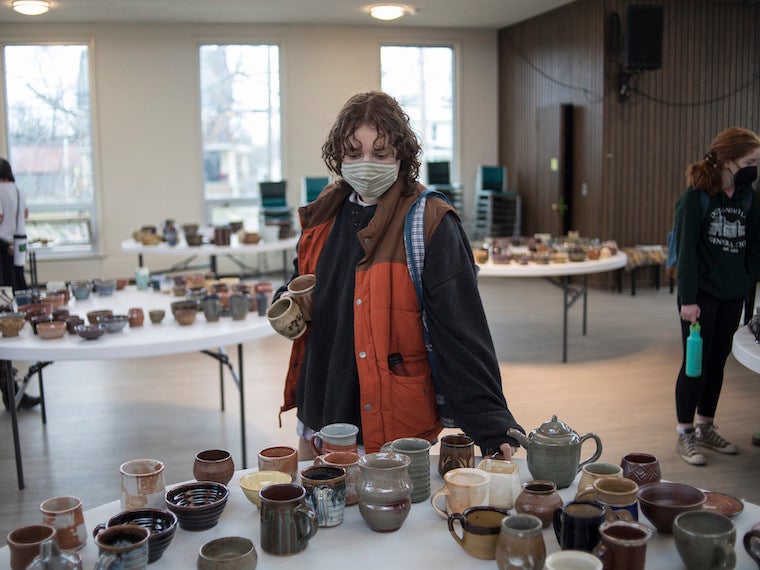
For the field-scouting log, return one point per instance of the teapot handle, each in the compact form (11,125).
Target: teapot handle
(597,453)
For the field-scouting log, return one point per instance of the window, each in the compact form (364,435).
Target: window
(49,131)
(241,128)
(421,78)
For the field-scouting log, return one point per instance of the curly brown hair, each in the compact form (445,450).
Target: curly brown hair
(730,144)
(382,112)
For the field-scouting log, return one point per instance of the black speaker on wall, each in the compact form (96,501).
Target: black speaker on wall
(643,36)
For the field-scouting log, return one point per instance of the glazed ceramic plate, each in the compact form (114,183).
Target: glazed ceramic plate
(723,504)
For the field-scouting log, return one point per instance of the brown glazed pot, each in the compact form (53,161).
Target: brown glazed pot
(539,498)
(213,465)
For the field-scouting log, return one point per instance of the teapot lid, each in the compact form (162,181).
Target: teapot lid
(555,431)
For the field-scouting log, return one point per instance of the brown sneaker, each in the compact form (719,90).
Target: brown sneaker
(708,436)
(686,448)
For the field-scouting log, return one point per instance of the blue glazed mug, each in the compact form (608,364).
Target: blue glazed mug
(576,525)
(620,496)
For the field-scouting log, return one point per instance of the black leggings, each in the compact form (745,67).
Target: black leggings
(719,321)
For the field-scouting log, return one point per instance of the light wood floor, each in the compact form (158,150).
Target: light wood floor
(618,383)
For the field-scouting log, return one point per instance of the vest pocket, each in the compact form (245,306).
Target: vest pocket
(413,405)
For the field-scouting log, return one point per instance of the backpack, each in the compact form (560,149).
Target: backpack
(671,264)
(414,246)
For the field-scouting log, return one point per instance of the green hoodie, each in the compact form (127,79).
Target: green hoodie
(718,251)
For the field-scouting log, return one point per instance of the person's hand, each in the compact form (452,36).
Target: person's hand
(507,451)
(690,313)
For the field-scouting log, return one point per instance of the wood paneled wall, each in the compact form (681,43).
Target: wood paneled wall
(631,153)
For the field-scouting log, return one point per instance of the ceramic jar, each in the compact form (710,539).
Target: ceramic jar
(539,498)
(213,465)
(384,488)
(521,543)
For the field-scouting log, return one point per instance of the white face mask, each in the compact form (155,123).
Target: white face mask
(370,179)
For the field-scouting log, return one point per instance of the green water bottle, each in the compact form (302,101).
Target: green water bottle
(694,352)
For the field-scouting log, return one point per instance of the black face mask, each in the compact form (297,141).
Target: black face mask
(745,176)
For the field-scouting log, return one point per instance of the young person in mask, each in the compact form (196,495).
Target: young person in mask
(365,306)
(718,261)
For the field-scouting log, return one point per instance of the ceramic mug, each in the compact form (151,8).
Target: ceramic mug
(623,545)
(456,451)
(752,543)
(705,540)
(348,461)
(620,495)
(641,467)
(325,493)
(287,524)
(301,290)
(286,318)
(521,543)
(576,525)
(464,487)
(572,560)
(480,530)
(65,514)
(335,437)
(590,473)
(505,484)
(123,546)
(24,543)
(279,458)
(418,451)
(142,484)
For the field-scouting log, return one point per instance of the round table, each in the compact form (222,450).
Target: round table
(165,338)
(559,274)
(423,541)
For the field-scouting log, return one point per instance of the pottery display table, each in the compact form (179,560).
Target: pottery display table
(559,274)
(286,246)
(163,339)
(423,541)
(745,349)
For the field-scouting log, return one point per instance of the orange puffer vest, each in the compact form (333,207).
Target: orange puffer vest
(386,317)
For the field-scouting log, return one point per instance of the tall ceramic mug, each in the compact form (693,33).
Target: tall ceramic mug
(287,524)
(623,545)
(301,289)
(418,451)
(325,493)
(464,487)
(590,473)
(620,496)
(24,543)
(335,437)
(347,460)
(456,451)
(576,525)
(505,485)
(65,514)
(481,527)
(705,540)
(752,543)
(142,484)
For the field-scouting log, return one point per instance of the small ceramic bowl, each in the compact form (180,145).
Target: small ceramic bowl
(72,321)
(662,502)
(51,329)
(233,552)
(162,525)
(92,316)
(121,282)
(197,505)
(81,289)
(185,304)
(60,314)
(90,332)
(11,323)
(113,323)
(156,315)
(254,482)
(105,287)
(185,317)
(194,240)
(37,319)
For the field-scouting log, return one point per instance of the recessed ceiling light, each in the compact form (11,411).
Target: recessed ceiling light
(30,7)
(387,11)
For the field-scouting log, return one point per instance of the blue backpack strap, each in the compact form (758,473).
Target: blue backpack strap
(414,246)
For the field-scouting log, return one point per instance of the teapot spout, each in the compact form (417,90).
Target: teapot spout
(519,436)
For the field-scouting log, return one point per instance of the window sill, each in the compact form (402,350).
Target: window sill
(66,253)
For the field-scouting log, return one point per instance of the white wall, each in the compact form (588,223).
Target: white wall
(146,101)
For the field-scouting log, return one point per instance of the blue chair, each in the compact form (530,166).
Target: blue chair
(311,186)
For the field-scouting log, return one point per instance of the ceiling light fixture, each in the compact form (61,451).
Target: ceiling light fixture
(387,11)
(31,7)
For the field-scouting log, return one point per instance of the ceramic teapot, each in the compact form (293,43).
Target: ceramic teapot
(554,451)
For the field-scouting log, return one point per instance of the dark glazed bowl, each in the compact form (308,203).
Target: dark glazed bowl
(113,323)
(662,502)
(90,332)
(161,524)
(92,316)
(198,505)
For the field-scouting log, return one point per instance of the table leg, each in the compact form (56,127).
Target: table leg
(585,302)
(10,386)
(242,405)
(212,263)
(221,385)
(139,259)
(565,307)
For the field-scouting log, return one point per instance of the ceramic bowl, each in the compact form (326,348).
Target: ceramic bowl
(51,329)
(113,323)
(37,319)
(11,323)
(228,552)
(90,332)
(185,317)
(194,240)
(162,525)
(60,314)
(121,282)
(156,315)
(72,321)
(184,304)
(197,505)
(105,287)
(254,482)
(190,229)
(662,502)
(81,289)
(92,316)
(250,238)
